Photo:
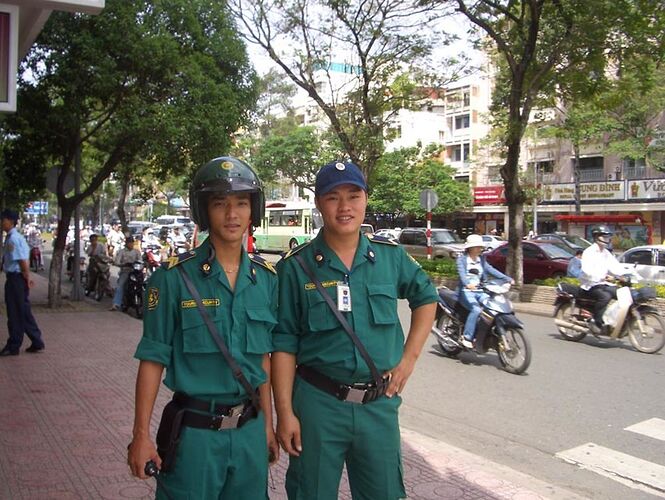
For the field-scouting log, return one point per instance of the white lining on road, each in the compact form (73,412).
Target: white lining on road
(626,469)
(654,428)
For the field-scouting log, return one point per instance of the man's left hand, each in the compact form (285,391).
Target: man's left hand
(398,376)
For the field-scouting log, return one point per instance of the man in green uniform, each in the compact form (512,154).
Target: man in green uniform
(329,412)
(224,440)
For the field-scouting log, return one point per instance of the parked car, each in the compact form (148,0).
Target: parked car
(445,243)
(541,260)
(649,262)
(492,241)
(389,233)
(570,240)
(366,228)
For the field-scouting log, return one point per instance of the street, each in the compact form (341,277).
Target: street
(572,394)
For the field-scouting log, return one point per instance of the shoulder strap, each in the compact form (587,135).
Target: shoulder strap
(345,324)
(235,368)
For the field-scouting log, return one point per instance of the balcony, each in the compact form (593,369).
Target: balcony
(592,174)
(641,172)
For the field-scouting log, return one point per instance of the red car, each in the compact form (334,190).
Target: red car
(541,260)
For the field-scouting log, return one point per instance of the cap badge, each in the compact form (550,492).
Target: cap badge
(227,165)
(340,166)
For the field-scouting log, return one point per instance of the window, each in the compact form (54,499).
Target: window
(420,239)
(467,98)
(461,121)
(661,258)
(460,152)
(591,163)
(406,238)
(285,217)
(442,135)
(530,252)
(642,257)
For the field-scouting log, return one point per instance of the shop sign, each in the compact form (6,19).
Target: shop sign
(649,189)
(589,191)
(489,195)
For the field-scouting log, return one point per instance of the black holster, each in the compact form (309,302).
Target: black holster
(168,434)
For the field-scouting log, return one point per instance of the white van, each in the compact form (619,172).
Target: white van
(170,220)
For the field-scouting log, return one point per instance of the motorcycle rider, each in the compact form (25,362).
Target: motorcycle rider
(95,250)
(115,238)
(473,268)
(597,263)
(124,259)
(165,241)
(179,241)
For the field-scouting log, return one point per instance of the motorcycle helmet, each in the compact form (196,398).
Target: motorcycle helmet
(601,234)
(225,175)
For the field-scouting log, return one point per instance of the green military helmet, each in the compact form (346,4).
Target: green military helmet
(225,175)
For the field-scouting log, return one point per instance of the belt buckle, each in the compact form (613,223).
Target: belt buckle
(355,395)
(230,421)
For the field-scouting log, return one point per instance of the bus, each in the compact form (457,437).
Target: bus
(287,224)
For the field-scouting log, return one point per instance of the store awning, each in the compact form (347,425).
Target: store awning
(617,218)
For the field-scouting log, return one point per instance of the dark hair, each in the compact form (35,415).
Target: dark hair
(578,252)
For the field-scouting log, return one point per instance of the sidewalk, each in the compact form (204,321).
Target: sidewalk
(66,418)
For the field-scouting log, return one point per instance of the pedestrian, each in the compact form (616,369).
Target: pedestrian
(575,265)
(340,405)
(124,260)
(474,270)
(16,265)
(220,417)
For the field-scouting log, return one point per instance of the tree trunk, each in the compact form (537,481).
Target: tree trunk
(55,270)
(515,198)
(124,189)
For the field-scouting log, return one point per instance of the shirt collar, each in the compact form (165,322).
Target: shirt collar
(364,253)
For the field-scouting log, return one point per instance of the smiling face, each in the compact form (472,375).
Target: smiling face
(342,209)
(229,216)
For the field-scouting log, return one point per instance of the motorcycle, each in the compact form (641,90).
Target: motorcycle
(133,295)
(99,277)
(83,270)
(498,328)
(630,315)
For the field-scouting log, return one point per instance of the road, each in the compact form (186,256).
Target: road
(573,394)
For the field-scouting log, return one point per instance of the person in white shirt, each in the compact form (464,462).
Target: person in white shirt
(115,239)
(124,258)
(597,263)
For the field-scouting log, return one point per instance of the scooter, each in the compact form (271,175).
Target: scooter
(100,273)
(498,328)
(630,315)
(134,287)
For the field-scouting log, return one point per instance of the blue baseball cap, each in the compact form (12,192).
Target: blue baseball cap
(9,214)
(337,173)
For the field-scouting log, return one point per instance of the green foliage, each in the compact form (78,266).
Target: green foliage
(444,268)
(401,175)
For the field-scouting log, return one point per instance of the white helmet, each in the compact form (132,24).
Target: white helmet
(474,240)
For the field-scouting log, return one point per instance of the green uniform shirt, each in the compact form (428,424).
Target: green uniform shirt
(175,334)
(382,272)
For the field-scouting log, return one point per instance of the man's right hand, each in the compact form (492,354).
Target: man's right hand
(142,450)
(288,434)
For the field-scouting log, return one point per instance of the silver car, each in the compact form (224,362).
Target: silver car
(445,243)
(649,262)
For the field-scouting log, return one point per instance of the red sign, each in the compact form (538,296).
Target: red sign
(489,195)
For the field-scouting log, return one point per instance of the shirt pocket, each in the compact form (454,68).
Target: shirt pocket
(383,304)
(196,338)
(320,317)
(260,323)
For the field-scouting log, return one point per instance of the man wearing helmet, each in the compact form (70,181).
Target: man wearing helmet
(216,435)
(597,263)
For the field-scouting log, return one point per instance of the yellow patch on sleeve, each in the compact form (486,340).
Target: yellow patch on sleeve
(153,298)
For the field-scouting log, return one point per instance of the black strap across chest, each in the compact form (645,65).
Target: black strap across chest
(235,368)
(376,376)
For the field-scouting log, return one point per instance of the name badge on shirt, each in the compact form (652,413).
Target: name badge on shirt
(343,297)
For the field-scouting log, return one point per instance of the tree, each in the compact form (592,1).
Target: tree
(542,44)
(164,82)
(401,175)
(358,61)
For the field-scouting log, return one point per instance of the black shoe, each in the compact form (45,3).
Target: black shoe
(34,348)
(7,352)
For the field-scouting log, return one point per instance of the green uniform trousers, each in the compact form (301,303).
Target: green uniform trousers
(226,464)
(333,432)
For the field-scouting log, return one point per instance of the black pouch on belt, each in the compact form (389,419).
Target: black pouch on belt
(168,434)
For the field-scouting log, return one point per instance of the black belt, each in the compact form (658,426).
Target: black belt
(225,416)
(354,393)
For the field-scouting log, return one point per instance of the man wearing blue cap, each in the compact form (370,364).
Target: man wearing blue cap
(15,264)
(340,360)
